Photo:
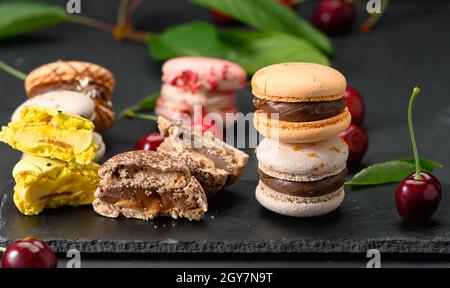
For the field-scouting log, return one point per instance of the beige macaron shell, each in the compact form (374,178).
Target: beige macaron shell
(69,71)
(298,206)
(302,162)
(301,132)
(298,82)
(66,101)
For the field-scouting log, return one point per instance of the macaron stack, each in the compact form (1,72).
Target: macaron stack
(301,162)
(207,83)
(57,167)
(74,87)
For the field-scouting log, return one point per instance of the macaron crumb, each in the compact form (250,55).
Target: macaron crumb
(313,155)
(335,149)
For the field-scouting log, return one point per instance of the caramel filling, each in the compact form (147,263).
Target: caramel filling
(305,189)
(301,111)
(52,196)
(55,142)
(141,199)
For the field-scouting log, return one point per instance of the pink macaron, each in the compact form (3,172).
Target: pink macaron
(172,110)
(186,100)
(203,73)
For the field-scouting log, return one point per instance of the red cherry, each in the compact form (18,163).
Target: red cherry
(219,17)
(355,104)
(149,142)
(357,141)
(334,16)
(289,3)
(417,200)
(29,253)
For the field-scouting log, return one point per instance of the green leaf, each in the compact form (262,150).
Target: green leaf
(19,17)
(146,104)
(251,50)
(391,171)
(425,164)
(272,16)
(254,50)
(194,39)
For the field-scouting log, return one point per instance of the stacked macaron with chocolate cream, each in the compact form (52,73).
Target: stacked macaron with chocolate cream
(302,162)
(300,102)
(209,83)
(301,179)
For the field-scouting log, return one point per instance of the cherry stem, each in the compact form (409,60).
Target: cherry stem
(131,114)
(122,12)
(13,71)
(2,249)
(132,7)
(140,36)
(415,92)
(373,18)
(91,22)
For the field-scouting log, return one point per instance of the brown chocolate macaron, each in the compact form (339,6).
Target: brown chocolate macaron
(213,162)
(148,184)
(91,79)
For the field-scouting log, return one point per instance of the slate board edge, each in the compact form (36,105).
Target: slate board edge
(399,246)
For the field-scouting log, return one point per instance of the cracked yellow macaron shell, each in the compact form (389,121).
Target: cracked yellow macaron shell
(49,183)
(50,133)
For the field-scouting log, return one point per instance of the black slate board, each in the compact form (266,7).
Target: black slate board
(236,223)
(383,65)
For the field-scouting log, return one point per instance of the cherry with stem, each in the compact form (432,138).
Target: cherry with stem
(417,196)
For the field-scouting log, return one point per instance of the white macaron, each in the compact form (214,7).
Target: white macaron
(298,206)
(301,180)
(66,101)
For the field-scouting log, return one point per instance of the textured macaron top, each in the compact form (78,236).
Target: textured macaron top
(149,160)
(298,82)
(69,72)
(302,162)
(211,74)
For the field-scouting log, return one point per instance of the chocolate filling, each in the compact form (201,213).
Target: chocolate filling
(304,189)
(301,111)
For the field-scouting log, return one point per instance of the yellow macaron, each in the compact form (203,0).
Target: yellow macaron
(49,183)
(50,133)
